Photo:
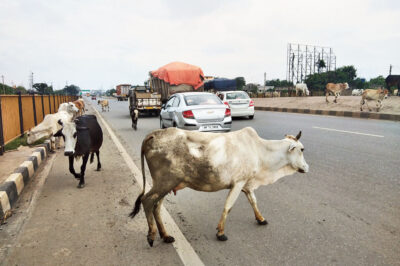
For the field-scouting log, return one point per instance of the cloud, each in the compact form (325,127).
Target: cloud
(98,44)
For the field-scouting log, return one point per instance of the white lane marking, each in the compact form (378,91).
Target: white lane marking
(350,132)
(181,245)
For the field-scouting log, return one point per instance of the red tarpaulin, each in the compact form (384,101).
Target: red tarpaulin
(177,73)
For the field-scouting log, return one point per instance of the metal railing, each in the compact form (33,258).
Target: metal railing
(19,113)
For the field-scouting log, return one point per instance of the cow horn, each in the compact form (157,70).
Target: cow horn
(60,122)
(298,135)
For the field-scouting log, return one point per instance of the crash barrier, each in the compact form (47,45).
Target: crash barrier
(19,113)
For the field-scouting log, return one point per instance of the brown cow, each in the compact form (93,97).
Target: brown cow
(335,89)
(373,95)
(80,104)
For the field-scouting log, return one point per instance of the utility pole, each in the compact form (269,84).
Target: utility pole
(4,89)
(31,81)
(390,70)
(265,78)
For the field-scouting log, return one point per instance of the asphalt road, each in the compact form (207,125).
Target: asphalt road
(345,211)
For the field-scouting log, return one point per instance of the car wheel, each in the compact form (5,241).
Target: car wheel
(251,116)
(161,123)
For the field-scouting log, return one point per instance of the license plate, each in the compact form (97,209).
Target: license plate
(208,127)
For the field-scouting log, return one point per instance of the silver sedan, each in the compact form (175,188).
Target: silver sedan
(200,111)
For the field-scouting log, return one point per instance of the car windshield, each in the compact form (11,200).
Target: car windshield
(202,99)
(236,95)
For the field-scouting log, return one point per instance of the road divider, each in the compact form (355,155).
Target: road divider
(381,116)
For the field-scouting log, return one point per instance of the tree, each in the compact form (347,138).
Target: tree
(379,81)
(321,65)
(110,92)
(240,83)
(71,90)
(42,88)
(279,83)
(318,81)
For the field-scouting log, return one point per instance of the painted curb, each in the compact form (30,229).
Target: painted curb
(379,116)
(12,187)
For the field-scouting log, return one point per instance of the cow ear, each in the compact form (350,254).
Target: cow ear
(60,122)
(298,135)
(291,147)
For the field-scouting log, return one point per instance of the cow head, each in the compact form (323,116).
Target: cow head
(68,107)
(346,86)
(33,136)
(71,132)
(295,154)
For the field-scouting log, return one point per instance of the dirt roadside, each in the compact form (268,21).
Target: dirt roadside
(345,103)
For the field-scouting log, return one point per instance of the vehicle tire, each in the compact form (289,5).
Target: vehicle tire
(161,123)
(251,116)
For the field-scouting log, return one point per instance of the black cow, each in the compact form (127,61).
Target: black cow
(82,137)
(393,81)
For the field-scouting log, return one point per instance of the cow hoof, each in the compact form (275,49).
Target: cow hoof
(81,186)
(262,222)
(222,237)
(150,241)
(169,239)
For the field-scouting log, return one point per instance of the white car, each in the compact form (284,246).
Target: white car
(239,102)
(201,111)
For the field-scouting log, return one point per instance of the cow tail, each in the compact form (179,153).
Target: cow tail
(136,209)
(91,157)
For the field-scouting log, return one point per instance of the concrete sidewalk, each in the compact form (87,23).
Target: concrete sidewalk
(89,226)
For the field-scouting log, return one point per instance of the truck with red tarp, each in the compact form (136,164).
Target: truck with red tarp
(165,81)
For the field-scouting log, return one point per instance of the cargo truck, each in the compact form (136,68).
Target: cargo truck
(122,92)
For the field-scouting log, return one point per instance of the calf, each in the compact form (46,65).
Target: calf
(373,95)
(335,89)
(80,104)
(238,161)
(104,104)
(134,117)
(82,137)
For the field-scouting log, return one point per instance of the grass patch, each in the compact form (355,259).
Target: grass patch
(13,145)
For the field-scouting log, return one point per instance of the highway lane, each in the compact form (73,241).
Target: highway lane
(345,211)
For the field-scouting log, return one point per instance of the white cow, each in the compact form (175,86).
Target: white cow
(357,92)
(69,108)
(238,161)
(50,126)
(301,88)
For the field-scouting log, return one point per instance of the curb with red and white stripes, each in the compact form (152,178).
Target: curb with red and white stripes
(12,187)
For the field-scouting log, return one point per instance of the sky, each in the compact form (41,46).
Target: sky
(100,44)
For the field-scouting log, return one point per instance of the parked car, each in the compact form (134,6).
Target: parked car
(200,111)
(239,102)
